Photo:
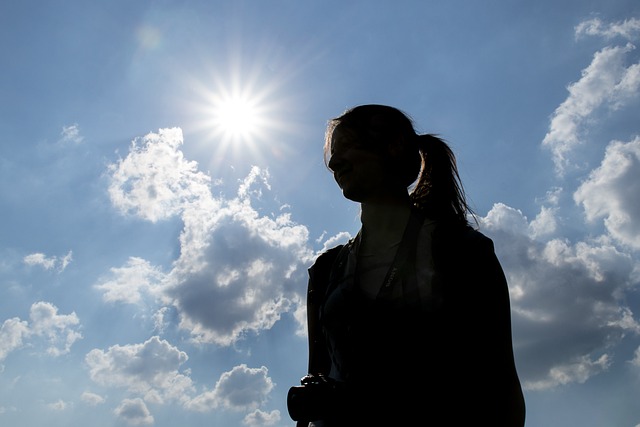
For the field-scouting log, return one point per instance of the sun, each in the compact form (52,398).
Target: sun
(236,116)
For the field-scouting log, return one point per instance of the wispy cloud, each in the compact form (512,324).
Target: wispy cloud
(49,263)
(131,282)
(628,29)
(71,134)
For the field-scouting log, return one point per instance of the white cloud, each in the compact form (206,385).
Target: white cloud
(59,405)
(134,412)
(41,260)
(240,389)
(333,241)
(506,218)
(59,331)
(12,334)
(544,224)
(92,399)
(239,274)
(238,269)
(154,181)
(605,82)
(150,369)
(260,418)
(49,263)
(247,187)
(611,192)
(159,319)
(578,371)
(628,29)
(568,300)
(130,282)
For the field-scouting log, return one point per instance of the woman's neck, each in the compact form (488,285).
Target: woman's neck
(383,224)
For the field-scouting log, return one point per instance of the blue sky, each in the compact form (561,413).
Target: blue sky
(153,255)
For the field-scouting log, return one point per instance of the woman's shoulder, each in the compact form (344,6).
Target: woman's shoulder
(326,258)
(456,238)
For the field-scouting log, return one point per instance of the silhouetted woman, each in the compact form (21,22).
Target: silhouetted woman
(409,322)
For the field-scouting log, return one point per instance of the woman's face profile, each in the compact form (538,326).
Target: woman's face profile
(359,169)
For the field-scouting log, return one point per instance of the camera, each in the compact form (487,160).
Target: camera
(318,397)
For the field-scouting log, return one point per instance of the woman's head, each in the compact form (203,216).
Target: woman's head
(373,133)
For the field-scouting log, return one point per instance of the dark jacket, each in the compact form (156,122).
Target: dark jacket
(445,360)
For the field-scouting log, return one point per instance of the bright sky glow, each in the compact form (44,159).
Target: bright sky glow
(163,193)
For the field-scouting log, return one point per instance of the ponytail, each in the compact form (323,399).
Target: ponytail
(438,191)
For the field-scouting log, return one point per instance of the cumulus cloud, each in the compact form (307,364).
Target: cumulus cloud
(134,412)
(12,334)
(568,300)
(240,274)
(59,331)
(154,181)
(238,269)
(49,263)
(607,82)
(242,388)
(611,192)
(151,372)
(150,369)
(513,220)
